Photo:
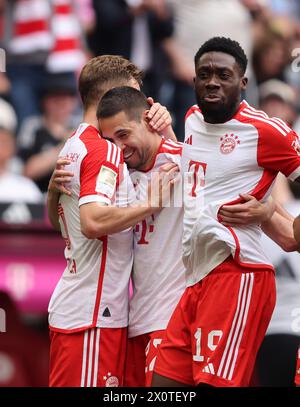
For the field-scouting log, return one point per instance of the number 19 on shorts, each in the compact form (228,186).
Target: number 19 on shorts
(212,340)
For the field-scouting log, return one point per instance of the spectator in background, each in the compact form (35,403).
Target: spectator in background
(201,20)
(14,187)
(271,55)
(136,30)
(40,36)
(41,138)
(23,352)
(278,99)
(8,118)
(86,14)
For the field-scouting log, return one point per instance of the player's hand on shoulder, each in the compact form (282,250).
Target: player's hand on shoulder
(251,211)
(60,177)
(160,119)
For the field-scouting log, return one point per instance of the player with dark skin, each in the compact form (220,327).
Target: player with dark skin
(219,83)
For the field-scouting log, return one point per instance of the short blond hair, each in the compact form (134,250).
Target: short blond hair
(104,72)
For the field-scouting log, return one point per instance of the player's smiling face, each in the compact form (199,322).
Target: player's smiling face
(218,86)
(131,136)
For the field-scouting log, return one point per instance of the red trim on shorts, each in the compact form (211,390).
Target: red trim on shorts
(70,331)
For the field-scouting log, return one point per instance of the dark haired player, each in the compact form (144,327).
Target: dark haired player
(217,328)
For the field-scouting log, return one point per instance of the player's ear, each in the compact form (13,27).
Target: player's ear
(146,120)
(244,82)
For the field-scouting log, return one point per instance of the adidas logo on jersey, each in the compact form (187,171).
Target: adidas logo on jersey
(106,312)
(189,140)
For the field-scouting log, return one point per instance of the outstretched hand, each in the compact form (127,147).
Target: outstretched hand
(250,212)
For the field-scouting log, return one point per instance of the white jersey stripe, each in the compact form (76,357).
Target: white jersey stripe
(233,325)
(118,157)
(114,155)
(258,112)
(275,119)
(96,358)
(173,143)
(251,116)
(90,360)
(238,327)
(83,369)
(272,119)
(280,123)
(283,124)
(173,148)
(243,327)
(109,144)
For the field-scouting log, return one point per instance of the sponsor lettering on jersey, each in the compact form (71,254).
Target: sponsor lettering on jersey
(73,157)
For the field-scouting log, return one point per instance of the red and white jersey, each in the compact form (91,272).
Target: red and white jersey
(220,161)
(158,271)
(93,290)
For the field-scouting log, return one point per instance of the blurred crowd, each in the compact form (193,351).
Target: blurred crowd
(47,42)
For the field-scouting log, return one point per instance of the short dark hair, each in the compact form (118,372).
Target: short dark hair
(103,72)
(123,99)
(226,45)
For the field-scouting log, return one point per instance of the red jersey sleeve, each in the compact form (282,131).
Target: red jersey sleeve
(99,172)
(279,152)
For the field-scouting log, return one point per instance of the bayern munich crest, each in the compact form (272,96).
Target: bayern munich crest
(111,381)
(228,143)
